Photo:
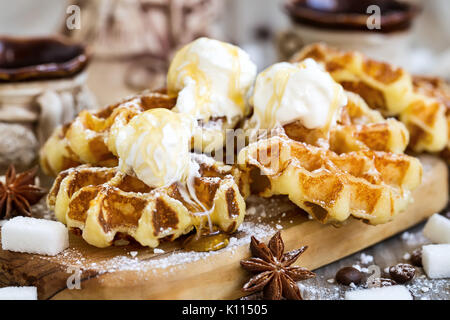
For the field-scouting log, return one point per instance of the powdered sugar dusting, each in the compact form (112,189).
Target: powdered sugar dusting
(165,259)
(413,238)
(365,258)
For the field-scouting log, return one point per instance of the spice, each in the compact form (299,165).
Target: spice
(18,193)
(274,273)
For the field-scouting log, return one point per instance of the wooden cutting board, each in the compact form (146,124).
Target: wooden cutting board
(133,272)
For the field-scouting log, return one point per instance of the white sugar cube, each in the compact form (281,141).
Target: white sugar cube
(437,229)
(30,235)
(384,293)
(436,260)
(18,293)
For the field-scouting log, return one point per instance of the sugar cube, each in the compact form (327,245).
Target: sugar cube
(396,292)
(18,293)
(436,260)
(133,253)
(30,235)
(437,229)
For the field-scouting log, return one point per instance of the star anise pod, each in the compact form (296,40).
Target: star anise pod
(18,193)
(274,273)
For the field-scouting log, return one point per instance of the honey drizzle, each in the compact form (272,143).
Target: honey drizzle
(233,93)
(186,65)
(203,242)
(281,78)
(147,150)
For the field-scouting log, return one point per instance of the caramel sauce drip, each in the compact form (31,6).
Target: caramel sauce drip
(205,240)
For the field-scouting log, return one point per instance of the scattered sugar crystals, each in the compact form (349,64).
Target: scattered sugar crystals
(172,261)
(357,267)
(311,292)
(261,210)
(251,211)
(413,238)
(41,210)
(133,253)
(360,269)
(365,258)
(423,287)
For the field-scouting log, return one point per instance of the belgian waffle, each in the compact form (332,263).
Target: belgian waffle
(388,89)
(370,185)
(104,203)
(357,128)
(90,138)
(439,89)
(355,166)
(86,140)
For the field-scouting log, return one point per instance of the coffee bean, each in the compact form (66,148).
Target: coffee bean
(348,275)
(381,282)
(402,272)
(416,257)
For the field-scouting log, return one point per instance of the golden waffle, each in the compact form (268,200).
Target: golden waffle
(87,138)
(90,138)
(433,87)
(439,89)
(370,185)
(358,128)
(388,89)
(106,204)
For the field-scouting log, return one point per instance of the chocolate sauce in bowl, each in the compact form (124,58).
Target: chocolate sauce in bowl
(351,14)
(40,58)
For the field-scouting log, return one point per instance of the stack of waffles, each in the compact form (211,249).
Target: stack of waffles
(92,195)
(420,103)
(354,166)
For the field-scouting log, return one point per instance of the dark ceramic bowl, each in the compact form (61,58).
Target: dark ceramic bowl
(25,59)
(351,14)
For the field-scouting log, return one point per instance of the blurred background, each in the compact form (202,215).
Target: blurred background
(130,44)
(133,39)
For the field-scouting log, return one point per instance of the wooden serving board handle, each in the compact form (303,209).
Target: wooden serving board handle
(216,276)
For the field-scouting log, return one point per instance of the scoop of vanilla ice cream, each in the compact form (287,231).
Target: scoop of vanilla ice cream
(287,92)
(211,78)
(155,146)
